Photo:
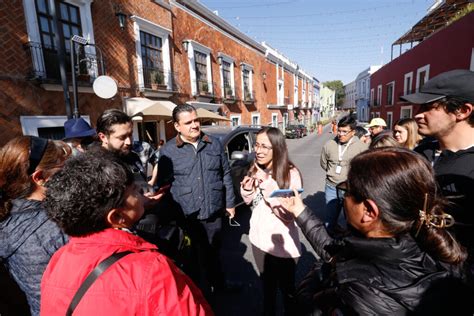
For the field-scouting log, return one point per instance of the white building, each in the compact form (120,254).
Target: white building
(350,96)
(328,102)
(362,98)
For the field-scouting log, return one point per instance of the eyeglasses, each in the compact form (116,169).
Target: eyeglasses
(264,148)
(342,190)
(342,133)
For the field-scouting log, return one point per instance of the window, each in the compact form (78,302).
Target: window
(371,97)
(389,120)
(201,72)
(256,119)
(152,59)
(390,92)
(153,55)
(406,112)
(227,76)
(379,95)
(275,119)
(69,18)
(285,120)
(75,19)
(235,120)
(422,75)
(199,57)
(408,83)
(45,126)
(247,93)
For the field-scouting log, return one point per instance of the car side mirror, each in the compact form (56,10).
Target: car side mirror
(239,155)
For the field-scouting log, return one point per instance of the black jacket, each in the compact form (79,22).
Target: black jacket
(454,173)
(375,276)
(200,177)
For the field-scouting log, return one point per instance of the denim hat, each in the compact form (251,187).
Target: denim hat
(77,127)
(455,83)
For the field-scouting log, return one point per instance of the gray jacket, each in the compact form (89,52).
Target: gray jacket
(200,177)
(28,239)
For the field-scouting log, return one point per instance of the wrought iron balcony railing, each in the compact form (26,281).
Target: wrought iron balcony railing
(45,63)
(159,79)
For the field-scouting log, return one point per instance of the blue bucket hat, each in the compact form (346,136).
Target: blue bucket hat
(78,127)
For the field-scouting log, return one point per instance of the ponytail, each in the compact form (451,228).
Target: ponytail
(431,233)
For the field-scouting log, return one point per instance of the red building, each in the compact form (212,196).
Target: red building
(441,48)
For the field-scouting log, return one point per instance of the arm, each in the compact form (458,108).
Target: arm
(227,180)
(315,232)
(165,168)
(324,158)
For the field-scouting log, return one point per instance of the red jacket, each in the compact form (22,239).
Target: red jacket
(142,283)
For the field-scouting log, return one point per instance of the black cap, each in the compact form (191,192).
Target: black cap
(455,83)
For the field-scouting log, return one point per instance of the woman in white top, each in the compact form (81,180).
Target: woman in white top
(273,234)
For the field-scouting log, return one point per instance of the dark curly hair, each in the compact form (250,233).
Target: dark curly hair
(80,196)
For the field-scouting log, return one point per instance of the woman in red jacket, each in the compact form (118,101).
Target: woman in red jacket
(95,201)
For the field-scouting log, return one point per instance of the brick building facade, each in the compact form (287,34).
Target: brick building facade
(164,53)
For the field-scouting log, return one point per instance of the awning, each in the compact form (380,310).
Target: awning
(213,107)
(205,114)
(139,107)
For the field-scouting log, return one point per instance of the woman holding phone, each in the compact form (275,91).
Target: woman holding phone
(401,259)
(273,234)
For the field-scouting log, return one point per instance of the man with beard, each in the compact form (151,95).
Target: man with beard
(446,115)
(115,129)
(197,168)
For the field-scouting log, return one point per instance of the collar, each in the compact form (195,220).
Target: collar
(203,137)
(111,236)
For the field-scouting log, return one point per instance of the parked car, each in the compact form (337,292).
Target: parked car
(238,145)
(293,131)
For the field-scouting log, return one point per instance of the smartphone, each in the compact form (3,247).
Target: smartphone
(284,192)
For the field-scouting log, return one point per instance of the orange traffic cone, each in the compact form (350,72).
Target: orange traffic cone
(320,129)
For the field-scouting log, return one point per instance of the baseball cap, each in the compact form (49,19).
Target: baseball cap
(77,127)
(455,83)
(377,121)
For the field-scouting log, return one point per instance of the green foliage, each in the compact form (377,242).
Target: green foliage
(338,86)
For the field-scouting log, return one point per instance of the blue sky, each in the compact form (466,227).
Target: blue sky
(330,39)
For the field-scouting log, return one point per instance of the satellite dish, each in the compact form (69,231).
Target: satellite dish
(105,87)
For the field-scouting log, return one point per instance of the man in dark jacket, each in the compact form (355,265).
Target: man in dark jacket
(446,114)
(197,168)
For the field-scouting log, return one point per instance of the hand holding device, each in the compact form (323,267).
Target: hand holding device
(285,193)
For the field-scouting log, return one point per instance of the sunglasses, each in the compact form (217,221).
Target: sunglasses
(342,189)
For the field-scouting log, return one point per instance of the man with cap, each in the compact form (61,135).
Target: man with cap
(446,114)
(376,126)
(78,134)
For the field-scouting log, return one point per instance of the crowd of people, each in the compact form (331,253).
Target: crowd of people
(99,225)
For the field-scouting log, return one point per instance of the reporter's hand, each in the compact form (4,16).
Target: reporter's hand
(293,204)
(152,198)
(248,183)
(231,211)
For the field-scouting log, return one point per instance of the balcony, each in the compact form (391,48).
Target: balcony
(159,83)
(249,96)
(45,64)
(229,96)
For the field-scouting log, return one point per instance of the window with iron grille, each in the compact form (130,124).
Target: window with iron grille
(246,83)
(201,71)
(152,59)
(69,18)
(70,21)
(226,77)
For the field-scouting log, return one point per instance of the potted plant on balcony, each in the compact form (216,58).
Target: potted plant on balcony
(229,94)
(157,79)
(204,87)
(247,96)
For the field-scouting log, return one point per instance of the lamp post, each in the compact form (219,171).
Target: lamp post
(84,42)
